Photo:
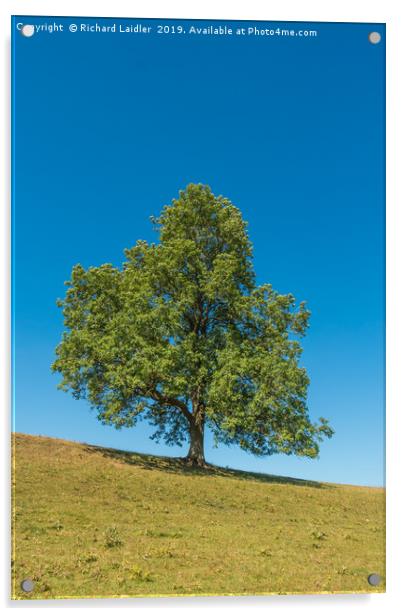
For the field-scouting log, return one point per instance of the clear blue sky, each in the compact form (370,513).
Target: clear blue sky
(108,128)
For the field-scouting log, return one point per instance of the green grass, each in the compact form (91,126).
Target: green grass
(94,522)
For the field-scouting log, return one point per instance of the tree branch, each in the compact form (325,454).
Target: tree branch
(171,401)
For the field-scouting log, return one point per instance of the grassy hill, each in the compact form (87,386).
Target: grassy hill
(95,522)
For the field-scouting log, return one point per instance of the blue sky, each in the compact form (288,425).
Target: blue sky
(108,127)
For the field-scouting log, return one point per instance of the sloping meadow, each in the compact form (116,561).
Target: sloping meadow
(94,522)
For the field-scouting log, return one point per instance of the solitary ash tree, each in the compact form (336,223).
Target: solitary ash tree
(182,336)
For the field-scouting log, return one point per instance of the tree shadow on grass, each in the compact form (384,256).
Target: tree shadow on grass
(179,466)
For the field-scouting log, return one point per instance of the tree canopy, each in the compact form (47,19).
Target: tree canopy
(181,335)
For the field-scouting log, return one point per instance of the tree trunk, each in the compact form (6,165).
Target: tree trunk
(195,455)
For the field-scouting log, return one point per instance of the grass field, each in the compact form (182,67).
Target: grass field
(94,522)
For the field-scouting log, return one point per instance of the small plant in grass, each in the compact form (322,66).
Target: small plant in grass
(112,537)
(115,565)
(318,535)
(141,574)
(265,552)
(343,571)
(88,558)
(161,533)
(163,553)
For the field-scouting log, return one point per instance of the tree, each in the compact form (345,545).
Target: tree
(183,337)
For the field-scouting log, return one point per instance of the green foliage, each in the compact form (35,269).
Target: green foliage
(182,336)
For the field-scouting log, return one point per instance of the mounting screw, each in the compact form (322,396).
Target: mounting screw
(27,585)
(28,30)
(374,579)
(374,38)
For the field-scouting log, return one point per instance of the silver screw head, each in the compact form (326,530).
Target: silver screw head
(374,38)
(27,585)
(374,579)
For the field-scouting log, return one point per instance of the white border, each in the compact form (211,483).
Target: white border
(286,10)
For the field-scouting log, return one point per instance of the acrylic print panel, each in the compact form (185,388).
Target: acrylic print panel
(198,307)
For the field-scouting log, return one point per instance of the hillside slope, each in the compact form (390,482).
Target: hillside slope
(94,522)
